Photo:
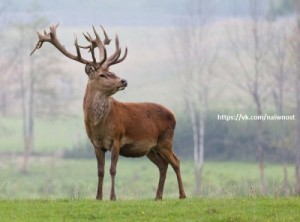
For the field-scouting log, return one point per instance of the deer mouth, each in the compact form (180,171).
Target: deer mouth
(121,88)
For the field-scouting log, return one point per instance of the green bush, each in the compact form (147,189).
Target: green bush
(81,150)
(235,140)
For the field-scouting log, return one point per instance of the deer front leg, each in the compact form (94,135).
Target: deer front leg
(113,167)
(100,155)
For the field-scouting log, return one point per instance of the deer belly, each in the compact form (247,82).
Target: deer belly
(138,149)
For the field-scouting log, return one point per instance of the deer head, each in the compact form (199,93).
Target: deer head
(100,78)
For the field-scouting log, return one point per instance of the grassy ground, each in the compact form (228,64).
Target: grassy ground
(136,179)
(204,209)
(64,190)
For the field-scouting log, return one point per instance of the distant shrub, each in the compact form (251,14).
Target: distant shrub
(81,150)
(234,140)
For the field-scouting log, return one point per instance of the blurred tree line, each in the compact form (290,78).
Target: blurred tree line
(265,55)
(27,88)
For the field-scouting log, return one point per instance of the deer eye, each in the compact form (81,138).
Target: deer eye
(102,76)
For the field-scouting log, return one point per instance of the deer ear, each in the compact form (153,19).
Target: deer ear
(90,70)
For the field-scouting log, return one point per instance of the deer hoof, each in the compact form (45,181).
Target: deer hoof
(99,197)
(182,196)
(113,198)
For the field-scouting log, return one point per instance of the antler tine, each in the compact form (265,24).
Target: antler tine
(116,61)
(114,58)
(123,57)
(88,38)
(42,39)
(102,50)
(106,39)
(77,46)
(38,45)
(91,46)
(52,32)
(117,51)
(93,52)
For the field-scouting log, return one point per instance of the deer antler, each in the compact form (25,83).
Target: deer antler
(51,37)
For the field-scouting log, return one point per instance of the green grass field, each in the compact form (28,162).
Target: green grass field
(191,209)
(136,179)
(50,134)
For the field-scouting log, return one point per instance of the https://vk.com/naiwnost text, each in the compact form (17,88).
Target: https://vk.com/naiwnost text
(246,117)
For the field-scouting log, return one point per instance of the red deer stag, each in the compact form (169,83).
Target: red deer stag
(127,129)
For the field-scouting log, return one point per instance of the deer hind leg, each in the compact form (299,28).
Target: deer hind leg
(166,151)
(162,165)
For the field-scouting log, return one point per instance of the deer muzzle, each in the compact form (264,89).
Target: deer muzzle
(124,85)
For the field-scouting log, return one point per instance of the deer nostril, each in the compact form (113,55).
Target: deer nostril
(124,82)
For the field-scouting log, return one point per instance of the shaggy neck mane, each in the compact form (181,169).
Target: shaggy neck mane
(97,105)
